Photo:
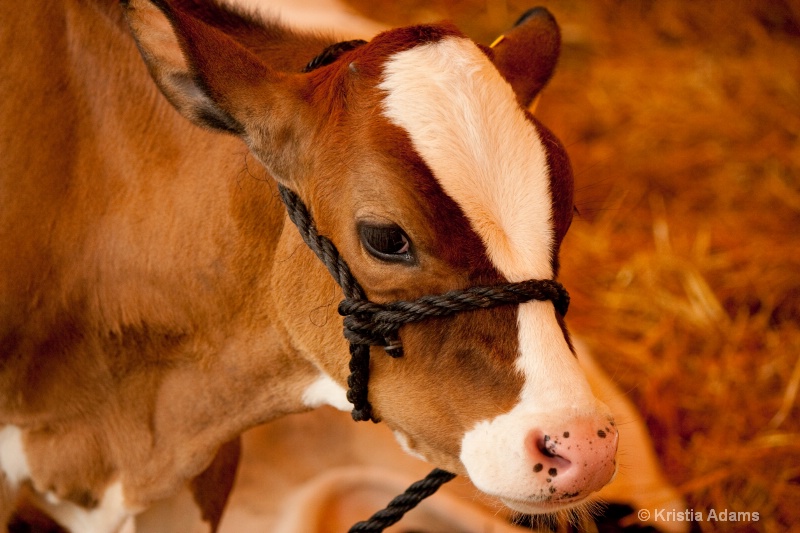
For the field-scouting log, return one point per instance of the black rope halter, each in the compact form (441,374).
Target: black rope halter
(368,324)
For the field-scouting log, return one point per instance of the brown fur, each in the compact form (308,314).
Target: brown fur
(156,303)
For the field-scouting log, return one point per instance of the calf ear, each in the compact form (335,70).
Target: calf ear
(527,55)
(215,81)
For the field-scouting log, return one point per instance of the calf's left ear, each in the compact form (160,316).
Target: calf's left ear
(527,55)
(196,55)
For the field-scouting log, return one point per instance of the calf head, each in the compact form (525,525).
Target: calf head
(417,157)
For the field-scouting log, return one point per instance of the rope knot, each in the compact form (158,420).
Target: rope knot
(369,323)
(372,324)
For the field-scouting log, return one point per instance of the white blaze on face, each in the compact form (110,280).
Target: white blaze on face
(464,121)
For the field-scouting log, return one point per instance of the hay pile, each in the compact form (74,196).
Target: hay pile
(683,122)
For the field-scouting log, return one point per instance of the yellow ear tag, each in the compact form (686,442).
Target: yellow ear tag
(497,41)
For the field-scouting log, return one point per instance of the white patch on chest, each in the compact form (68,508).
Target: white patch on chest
(325,391)
(13,460)
(464,121)
(402,439)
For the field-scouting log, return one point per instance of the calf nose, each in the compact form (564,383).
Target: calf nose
(577,457)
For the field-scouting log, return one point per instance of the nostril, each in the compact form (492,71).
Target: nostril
(548,458)
(546,446)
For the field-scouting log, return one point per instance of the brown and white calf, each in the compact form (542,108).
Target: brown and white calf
(156,301)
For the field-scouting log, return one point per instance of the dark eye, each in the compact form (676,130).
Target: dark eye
(387,243)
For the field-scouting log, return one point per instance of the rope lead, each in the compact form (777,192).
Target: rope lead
(400,505)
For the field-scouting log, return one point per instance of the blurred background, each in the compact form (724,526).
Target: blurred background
(683,123)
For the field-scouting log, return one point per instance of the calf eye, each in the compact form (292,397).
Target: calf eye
(387,243)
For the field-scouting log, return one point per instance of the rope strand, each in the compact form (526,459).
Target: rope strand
(370,323)
(400,505)
(357,381)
